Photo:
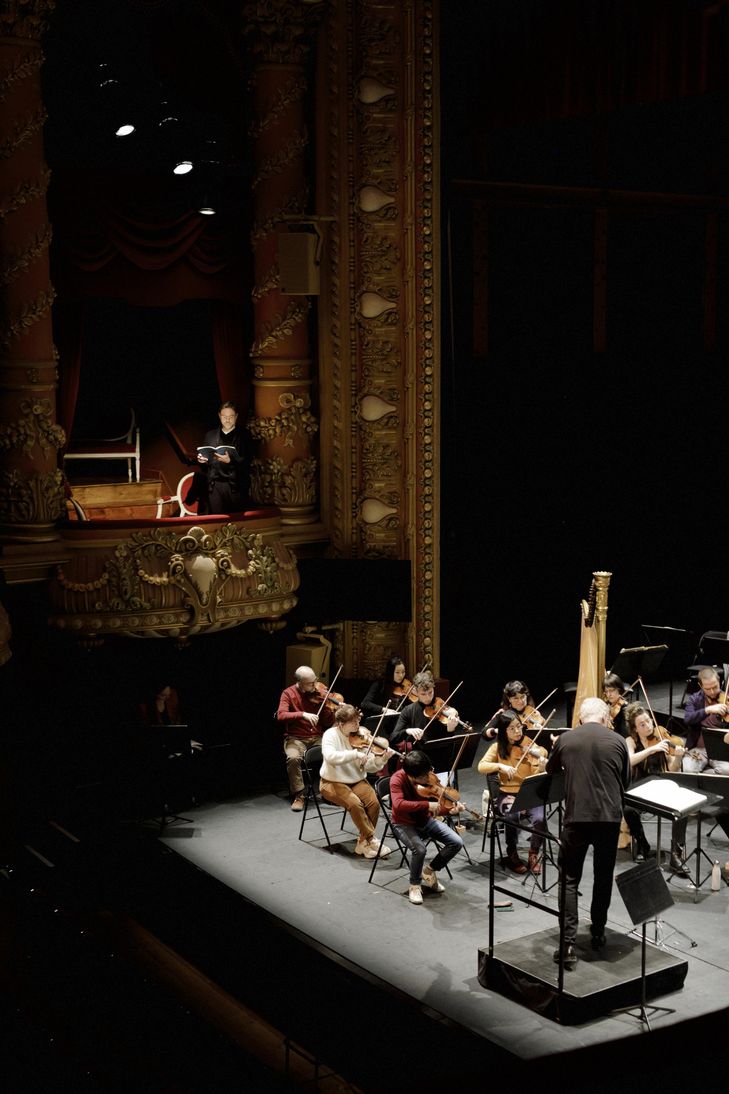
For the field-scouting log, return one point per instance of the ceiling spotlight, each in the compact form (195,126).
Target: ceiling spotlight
(206,209)
(182,168)
(125,130)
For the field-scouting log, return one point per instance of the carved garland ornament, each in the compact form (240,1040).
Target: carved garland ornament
(23,67)
(33,248)
(275,164)
(22,132)
(27,191)
(37,426)
(292,92)
(28,317)
(199,563)
(295,204)
(282,326)
(295,418)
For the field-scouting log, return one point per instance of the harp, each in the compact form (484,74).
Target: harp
(593,625)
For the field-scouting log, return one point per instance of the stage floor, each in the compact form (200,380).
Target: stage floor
(430,952)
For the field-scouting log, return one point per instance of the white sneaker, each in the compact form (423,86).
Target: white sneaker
(415,894)
(360,846)
(430,881)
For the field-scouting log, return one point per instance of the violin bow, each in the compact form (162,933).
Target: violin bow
(534,739)
(410,690)
(441,709)
(648,703)
(329,691)
(525,721)
(373,735)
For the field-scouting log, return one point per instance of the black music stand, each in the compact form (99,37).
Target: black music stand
(681,647)
(643,661)
(716,747)
(645,895)
(169,751)
(541,789)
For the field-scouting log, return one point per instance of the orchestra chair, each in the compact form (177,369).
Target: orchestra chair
(310,766)
(179,498)
(492,817)
(124,447)
(712,653)
(382,789)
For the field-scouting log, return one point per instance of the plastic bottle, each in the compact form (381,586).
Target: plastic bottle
(715,877)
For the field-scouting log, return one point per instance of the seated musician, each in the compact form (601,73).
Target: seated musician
(342,777)
(416,819)
(161,708)
(388,688)
(651,751)
(413,719)
(512,757)
(705,709)
(516,696)
(298,713)
(614,692)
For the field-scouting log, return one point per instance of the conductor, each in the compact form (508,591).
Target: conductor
(596,767)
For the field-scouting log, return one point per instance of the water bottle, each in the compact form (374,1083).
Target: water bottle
(715,877)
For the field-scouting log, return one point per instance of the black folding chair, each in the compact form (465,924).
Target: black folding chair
(312,796)
(382,789)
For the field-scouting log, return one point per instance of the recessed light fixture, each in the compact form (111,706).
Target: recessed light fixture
(184,167)
(125,130)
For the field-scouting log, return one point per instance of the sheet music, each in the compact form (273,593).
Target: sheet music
(669,795)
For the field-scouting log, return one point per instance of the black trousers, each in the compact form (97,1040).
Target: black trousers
(577,837)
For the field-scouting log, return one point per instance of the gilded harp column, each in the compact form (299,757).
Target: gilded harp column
(31,493)
(379,313)
(282,422)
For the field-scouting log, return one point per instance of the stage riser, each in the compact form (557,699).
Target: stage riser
(523,970)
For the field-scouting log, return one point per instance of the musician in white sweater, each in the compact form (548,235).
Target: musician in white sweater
(342,776)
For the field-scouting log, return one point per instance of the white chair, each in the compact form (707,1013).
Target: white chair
(182,487)
(125,447)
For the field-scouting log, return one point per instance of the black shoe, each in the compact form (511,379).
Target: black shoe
(597,940)
(570,957)
(677,866)
(643,849)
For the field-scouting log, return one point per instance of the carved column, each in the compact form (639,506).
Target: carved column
(282,422)
(31,494)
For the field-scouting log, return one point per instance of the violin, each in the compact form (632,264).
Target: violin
(617,706)
(363,741)
(721,698)
(439,711)
(403,688)
(332,699)
(434,790)
(660,733)
(530,717)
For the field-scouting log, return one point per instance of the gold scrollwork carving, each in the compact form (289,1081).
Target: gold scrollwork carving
(282,326)
(278,31)
(275,483)
(25,18)
(37,425)
(266,285)
(37,499)
(294,418)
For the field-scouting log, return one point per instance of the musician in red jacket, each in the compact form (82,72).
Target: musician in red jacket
(298,713)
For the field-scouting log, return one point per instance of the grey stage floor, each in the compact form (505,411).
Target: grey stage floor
(251,845)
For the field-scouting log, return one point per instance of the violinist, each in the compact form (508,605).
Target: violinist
(705,709)
(512,757)
(516,696)
(393,687)
(342,776)
(415,716)
(416,819)
(299,714)
(614,692)
(652,750)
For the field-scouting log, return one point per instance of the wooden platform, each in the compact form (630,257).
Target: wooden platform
(120,500)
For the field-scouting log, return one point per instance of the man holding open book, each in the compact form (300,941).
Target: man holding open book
(220,485)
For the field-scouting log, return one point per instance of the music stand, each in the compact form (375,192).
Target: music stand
(635,661)
(681,646)
(541,789)
(170,743)
(645,895)
(716,747)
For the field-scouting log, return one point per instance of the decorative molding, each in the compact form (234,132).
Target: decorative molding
(279,31)
(295,418)
(281,327)
(274,165)
(25,18)
(292,92)
(29,316)
(25,192)
(161,581)
(22,68)
(37,426)
(33,499)
(31,250)
(22,132)
(275,483)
